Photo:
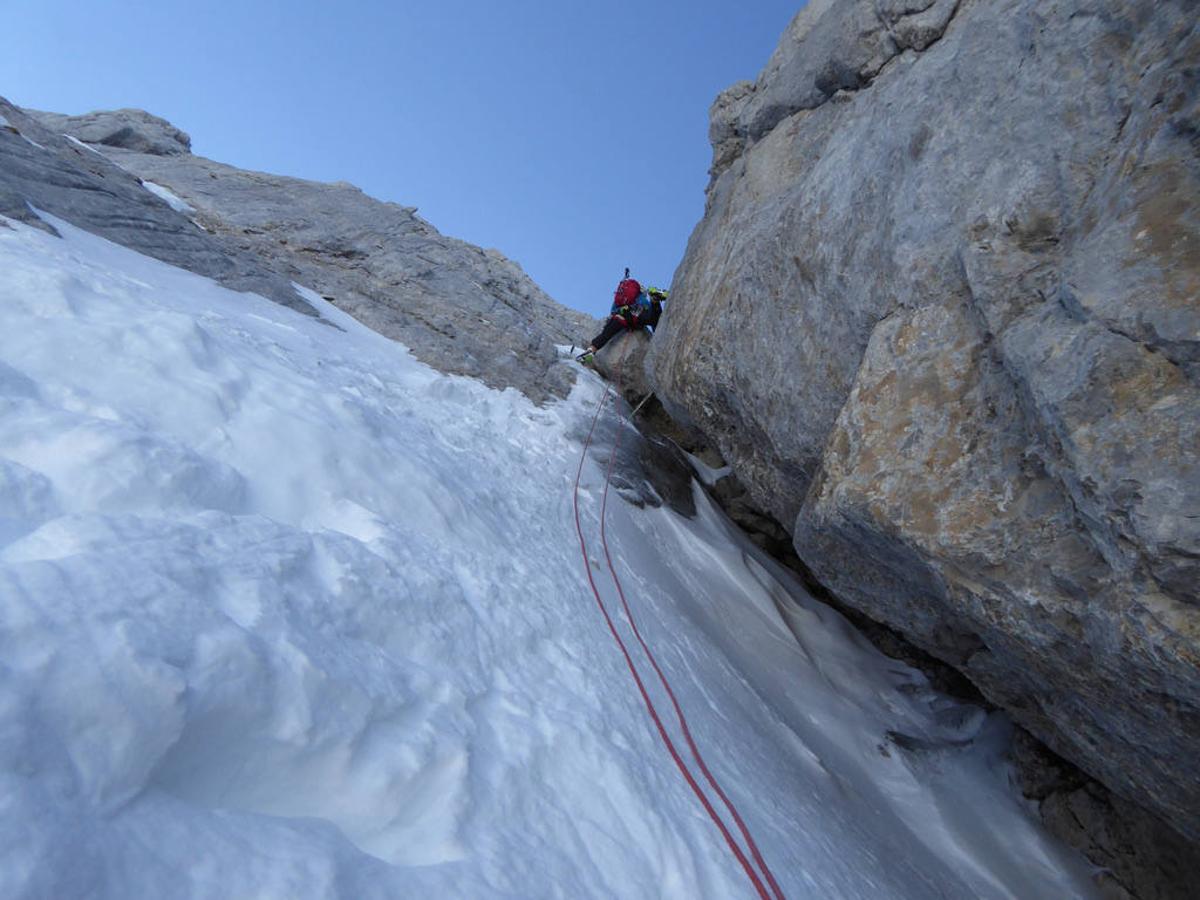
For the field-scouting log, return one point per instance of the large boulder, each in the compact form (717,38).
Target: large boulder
(623,362)
(942,315)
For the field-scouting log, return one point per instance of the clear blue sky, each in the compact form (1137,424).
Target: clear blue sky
(570,135)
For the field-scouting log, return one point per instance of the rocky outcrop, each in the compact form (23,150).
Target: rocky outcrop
(43,170)
(1142,858)
(828,48)
(623,362)
(129,129)
(458,307)
(942,317)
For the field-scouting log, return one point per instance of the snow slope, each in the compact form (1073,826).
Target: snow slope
(285,613)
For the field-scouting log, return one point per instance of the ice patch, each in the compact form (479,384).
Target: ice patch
(706,473)
(88,147)
(175,202)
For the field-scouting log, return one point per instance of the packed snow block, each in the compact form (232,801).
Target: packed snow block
(942,317)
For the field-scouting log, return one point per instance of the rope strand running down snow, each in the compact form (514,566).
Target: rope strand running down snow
(650,708)
(683,725)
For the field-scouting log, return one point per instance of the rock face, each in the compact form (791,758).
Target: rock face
(129,129)
(42,169)
(942,315)
(623,362)
(459,308)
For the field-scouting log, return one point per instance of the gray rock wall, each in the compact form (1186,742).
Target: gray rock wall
(623,362)
(943,316)
(458,307)
(42,169)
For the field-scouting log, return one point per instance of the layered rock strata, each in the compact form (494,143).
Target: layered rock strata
(942,316)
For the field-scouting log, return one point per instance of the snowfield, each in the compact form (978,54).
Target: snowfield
(285,613)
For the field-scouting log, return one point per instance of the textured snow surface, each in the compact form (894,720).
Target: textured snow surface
(286,614)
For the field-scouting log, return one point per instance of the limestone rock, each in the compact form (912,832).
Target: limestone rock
(828,47)
(42,169)
(458,307)
(623,362)
(129,129)
(724,131)
(1145,859)
(942,315)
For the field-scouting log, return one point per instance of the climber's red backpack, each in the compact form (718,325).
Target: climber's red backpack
(627,292)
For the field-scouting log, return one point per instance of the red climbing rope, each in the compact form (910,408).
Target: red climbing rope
(683,725)
(650,708)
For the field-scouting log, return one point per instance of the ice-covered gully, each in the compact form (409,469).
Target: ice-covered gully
(286,613)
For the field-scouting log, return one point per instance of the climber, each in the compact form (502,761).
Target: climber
(657,297)
(632,308)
